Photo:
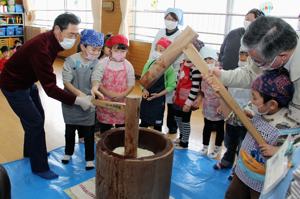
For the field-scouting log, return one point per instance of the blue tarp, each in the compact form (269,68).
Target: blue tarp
(193,176)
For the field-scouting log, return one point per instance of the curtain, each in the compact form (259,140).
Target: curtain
(29,12)
(97,13)
(124,24)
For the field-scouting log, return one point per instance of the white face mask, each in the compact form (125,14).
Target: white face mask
(91,57)
(255,110)
(171,25)
(242,63)
(67,43)
(156,55)
(211,65)
(118,56)
(298,25)
(246,24)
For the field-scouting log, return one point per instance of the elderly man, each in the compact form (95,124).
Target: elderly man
(32,63)
(272,43)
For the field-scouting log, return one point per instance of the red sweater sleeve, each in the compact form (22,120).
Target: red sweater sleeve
(42,67)
(2,62)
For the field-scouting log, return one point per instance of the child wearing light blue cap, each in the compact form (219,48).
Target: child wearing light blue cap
(76,74)
(172,17)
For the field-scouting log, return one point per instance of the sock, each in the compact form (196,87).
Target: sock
(179,124)
(66,159)
(49,175)
(186,130)
(89,165)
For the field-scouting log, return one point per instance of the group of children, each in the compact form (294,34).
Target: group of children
(112,78)
(98,70)
(270,95)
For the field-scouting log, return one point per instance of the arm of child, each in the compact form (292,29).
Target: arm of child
(95,90)
(67,76)
(145,92)
(97,76)
(106,92)
(196,79)
(156,95)
(124,93)
(224,108)
(73,89)
(170,84)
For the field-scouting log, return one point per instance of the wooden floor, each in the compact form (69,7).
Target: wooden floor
(11,132)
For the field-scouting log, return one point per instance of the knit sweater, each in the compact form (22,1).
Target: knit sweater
(33,62)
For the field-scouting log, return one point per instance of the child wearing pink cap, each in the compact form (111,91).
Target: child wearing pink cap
(115,79)
(153,101)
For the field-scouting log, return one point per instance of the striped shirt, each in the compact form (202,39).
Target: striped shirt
(195,76)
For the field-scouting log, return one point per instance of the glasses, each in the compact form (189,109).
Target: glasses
(264,64)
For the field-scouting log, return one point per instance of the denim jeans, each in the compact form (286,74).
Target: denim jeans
(27,106)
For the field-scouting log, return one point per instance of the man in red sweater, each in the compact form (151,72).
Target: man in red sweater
(31,63)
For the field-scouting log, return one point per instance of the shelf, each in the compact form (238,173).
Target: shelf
(16,24)
(11,36)
(11,13)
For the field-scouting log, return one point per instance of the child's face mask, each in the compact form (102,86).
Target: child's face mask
(211,65)
(242,63)
(91,57)
(210,62)
(258,105)
(92,53)
(156,55)
(118,55)
(256,110)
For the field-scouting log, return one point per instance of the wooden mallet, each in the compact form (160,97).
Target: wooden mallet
(131,107)
(183,43)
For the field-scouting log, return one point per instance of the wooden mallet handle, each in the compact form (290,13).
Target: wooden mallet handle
(115,106)
(132,116)
(195,57)
(168,57)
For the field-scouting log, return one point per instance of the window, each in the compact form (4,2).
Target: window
(212,19)
(47,10)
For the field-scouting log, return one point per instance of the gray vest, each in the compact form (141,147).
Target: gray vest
(82,80)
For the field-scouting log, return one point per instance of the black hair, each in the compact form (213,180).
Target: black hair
(121,47)
(63,20)
(4,49)
(256,12)
(173,15)
(17,41)
(106,37)
(198,44)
